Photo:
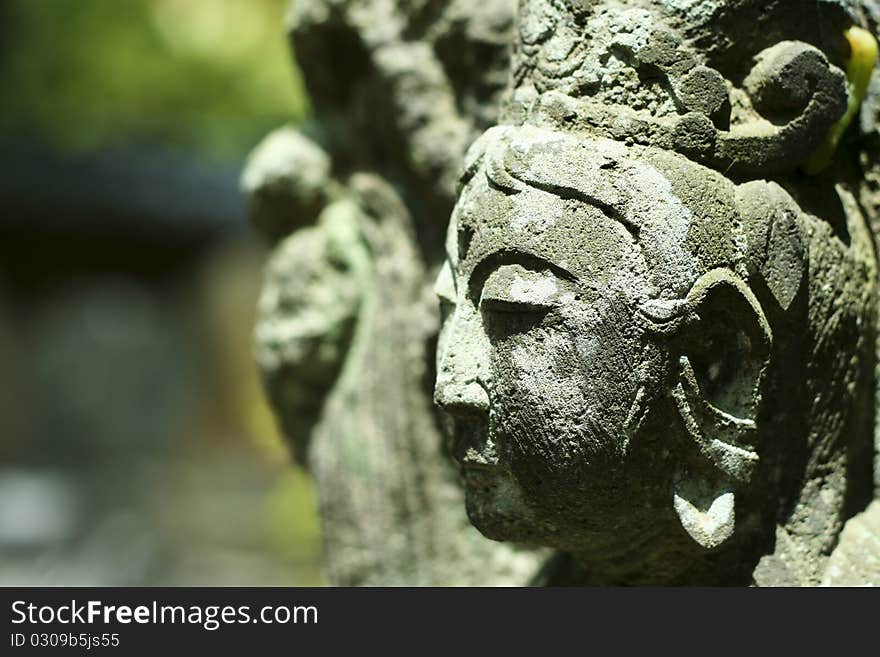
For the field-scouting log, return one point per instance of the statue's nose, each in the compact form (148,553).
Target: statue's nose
(460,397)
(463,367)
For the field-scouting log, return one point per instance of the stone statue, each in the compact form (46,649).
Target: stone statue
(356,204)
(658,351)
(660,292)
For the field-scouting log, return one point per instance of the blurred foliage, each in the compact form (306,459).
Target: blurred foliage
(224,295)
(206,75)
(128,383)
(291,520)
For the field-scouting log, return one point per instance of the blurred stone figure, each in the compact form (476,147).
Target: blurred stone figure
(348,318)
(658,289)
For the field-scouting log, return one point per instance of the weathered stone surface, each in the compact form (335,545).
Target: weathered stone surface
(659,348)
(287,180)
(347,316)
(856,559)
(658,355)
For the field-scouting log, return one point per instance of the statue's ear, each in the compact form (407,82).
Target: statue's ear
(724,345)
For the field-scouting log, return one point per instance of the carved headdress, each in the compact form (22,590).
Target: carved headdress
(751,88)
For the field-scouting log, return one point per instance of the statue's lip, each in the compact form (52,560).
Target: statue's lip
(476,475)
(473,450)
(479,465)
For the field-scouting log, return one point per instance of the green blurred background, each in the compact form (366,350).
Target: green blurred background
(135,445)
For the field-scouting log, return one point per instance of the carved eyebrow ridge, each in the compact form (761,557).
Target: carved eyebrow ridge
(502,257)
(570,193)
(504,180)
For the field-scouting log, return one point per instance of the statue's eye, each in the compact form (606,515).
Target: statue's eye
(515,289)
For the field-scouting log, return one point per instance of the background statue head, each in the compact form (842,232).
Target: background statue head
(651,367)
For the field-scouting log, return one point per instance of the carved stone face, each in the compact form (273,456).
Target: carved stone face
(544,351)
(606,359)
(538,353)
